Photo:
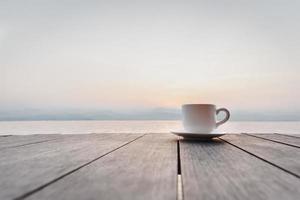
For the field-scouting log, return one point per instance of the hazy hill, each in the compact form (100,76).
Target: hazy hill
(151,114)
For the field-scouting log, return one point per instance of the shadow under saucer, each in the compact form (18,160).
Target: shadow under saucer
(197,136)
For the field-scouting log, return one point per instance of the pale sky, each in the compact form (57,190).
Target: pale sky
(124,54)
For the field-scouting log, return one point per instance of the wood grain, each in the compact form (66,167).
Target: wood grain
(281,155)
(290,135)
(218,170)
(22,140)
(144,169)
(25,169)
(284,139)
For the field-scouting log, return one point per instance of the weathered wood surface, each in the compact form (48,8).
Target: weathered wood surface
(218,170)
(281,155)
(138,166)
(145,169)
(23,170)
(284,139)
(22,140)
(290,135)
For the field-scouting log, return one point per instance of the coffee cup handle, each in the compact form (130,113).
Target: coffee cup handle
(226,117)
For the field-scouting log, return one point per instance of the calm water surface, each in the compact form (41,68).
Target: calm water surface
(84,127)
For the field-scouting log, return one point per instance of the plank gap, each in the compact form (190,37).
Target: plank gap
(293,136)
(29,193)
(31,143)
(178,159)
(5,135)
(179,177)
(256,136)
(287,171)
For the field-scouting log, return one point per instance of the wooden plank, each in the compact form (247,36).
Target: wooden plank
(290,135)
(5,136)
(283,139)
(283,156)
(22,140)
(218,170)
(144,169)
(23,170)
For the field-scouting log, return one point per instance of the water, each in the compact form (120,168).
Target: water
(85,127)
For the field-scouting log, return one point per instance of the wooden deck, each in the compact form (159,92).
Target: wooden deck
(149,166)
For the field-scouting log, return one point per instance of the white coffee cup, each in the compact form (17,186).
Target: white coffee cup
(201,118)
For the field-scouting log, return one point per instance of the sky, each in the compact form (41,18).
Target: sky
(132,56)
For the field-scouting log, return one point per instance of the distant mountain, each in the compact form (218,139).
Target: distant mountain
(151,114)
(32,114)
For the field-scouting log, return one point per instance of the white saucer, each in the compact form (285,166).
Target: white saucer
(201,136)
